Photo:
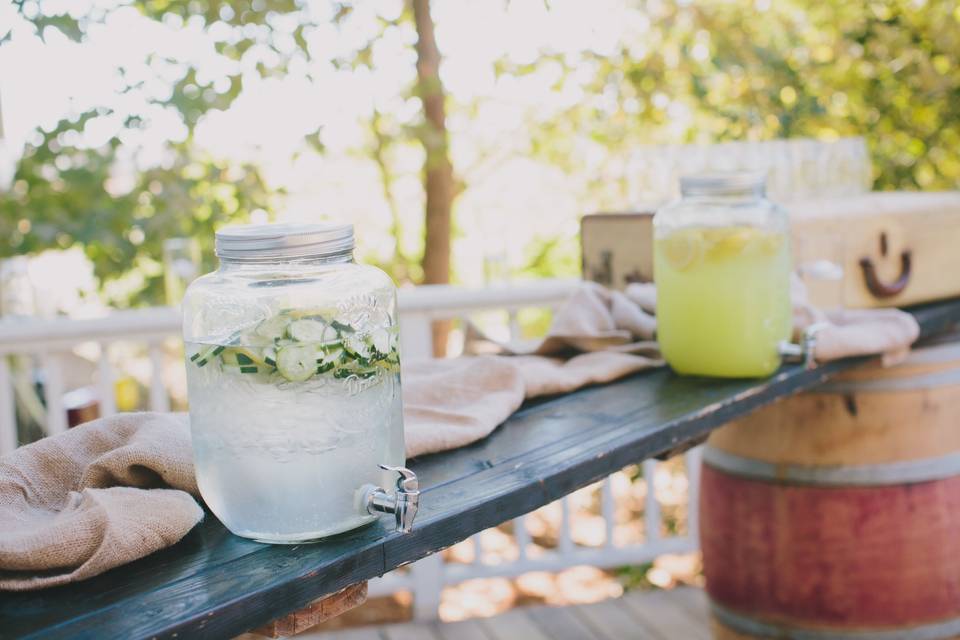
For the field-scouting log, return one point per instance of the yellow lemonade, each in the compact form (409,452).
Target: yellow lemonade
(723,299)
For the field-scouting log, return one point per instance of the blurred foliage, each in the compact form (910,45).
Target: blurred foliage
(66,193)
(634,577)
(61,197)
(717,71)
(687,72)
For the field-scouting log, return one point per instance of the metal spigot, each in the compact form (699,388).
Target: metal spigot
(805,351)
(403,504)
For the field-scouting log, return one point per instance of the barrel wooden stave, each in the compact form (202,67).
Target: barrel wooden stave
(788,548)
(851,429)
(846,557)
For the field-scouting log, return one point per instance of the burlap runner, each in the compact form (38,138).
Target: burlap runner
(119,488)
(95,497)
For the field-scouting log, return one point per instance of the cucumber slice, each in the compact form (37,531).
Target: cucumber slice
(270,357)
(244,369)
(380,341)
(273,327)
(332,356)
(342,327)
(329,347)
(256,341)
(311,331)
(297,362)
(323,367)
(240,356)
(204,356)
(356,346)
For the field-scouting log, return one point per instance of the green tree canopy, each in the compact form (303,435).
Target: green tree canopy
(696,72)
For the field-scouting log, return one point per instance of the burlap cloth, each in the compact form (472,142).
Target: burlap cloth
(119,488)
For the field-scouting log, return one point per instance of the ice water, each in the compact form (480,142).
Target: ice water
(290,422)
(723,299)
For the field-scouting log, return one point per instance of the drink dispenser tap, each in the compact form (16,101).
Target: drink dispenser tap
(403,504)
(804,352)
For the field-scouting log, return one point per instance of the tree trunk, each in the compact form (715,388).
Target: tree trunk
(437,169)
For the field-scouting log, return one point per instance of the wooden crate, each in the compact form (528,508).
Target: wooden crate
(617,248)
(896,248)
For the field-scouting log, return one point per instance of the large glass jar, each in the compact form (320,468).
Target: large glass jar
(294,381)
(722,269)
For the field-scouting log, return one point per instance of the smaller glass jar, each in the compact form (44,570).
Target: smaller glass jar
(293,378)
(722,270)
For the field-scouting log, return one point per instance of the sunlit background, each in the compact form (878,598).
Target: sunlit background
(128,123)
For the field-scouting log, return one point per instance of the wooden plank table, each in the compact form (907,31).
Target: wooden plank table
(216,585)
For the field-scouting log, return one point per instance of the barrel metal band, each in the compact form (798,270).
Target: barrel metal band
(946,378)
(890,473)
(752,626)
(934,354)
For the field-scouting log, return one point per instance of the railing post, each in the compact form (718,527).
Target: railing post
(513,321)
(416,336)
(608,509)
(693,460)
(522,536)
(53,393)
(8,413)
(108,405)
(565,544)
(158,391)
(651,508)
(477,547)
(427,586)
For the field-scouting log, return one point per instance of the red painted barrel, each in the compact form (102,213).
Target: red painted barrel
(835,515)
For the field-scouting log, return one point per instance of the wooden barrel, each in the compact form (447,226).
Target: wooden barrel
(835,515)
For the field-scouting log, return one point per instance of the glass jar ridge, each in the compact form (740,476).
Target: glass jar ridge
(729,184)
(283,241)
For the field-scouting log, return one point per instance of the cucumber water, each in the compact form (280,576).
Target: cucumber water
(291,415)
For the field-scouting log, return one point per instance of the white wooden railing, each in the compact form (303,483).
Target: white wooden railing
(43,344)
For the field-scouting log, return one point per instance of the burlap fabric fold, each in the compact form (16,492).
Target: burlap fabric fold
(119,488)
(95,497)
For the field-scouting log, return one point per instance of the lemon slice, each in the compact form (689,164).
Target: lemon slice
(732,241)
(771,243)
(683,249)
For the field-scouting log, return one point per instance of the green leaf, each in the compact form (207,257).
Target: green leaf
(65,24)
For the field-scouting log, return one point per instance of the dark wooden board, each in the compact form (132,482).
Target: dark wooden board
(216,585)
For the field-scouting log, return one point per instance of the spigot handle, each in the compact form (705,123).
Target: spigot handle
(806,350)
(407,480)
(403,504)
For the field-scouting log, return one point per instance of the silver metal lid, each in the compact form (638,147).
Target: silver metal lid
(723,183)
(283,241)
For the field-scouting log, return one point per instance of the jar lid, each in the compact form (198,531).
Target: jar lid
(283,241)
(723,183)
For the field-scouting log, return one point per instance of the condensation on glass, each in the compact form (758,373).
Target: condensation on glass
(293,376)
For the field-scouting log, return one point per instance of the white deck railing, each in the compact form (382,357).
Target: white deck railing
(42,344)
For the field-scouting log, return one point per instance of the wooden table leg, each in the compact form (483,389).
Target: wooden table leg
(316,612)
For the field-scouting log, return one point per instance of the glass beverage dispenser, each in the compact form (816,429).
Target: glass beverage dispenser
(722,269)
(293,376)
